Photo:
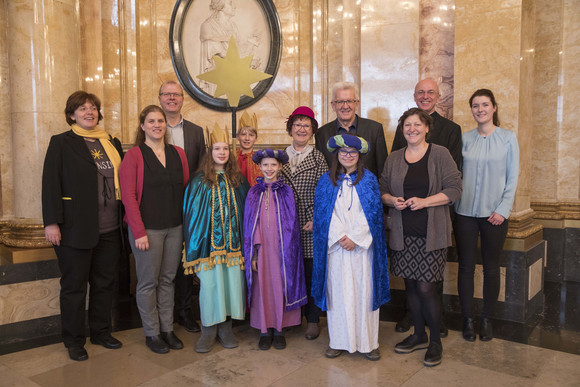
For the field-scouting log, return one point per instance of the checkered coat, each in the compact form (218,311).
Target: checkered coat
(303,182)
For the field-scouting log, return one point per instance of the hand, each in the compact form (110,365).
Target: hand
(52,234)
(142,243)
(416,203)
(255,265)
(307,226)
(399,204)
(346,243)
(496,219)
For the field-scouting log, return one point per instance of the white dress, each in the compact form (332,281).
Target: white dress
(352,324)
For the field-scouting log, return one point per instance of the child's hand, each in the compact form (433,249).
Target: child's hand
(346,243)
(255,265)
(307,226)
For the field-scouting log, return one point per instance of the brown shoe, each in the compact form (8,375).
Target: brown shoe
(332,353)
(312,331)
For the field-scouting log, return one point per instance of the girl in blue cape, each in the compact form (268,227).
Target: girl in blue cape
(213,211)
(350,279)
(276,286)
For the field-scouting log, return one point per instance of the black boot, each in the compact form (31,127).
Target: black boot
(468,329)
(485,329)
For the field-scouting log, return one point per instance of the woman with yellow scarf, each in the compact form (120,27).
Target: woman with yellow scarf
(81,211)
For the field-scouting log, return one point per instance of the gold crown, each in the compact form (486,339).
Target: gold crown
(217,135)
(248,121)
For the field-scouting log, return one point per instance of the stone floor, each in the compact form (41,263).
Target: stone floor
(302,363)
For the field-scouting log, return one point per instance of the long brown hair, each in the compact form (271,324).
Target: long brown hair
(336,168)
(232,169)
(140,136)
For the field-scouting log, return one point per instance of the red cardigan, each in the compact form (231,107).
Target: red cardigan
(131,176)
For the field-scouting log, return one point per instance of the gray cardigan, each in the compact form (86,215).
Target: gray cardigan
(443,177)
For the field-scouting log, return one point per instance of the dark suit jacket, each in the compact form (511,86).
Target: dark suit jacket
(445,133)
(194,145)
(70,190)
(370,130)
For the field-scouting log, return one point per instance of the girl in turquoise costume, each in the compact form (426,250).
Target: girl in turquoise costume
(213,212)
(350,279)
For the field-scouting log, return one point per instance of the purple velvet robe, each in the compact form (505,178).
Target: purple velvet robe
(292,265)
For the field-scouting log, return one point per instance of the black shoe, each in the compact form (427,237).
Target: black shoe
(468,330)
(332,353)
(433,355)
(265,342)
(412,343)
(172,340)
(404,324)
(279,342)
(485,329)
(156,344)
(185,319)
(78,353)
(107,341)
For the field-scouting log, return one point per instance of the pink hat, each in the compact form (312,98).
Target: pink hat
(303,111)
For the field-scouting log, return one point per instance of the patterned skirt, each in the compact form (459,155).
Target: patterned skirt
(414,262)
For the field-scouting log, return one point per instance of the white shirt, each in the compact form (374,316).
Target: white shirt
(175,134)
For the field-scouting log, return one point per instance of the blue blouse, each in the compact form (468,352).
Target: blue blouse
(490,173)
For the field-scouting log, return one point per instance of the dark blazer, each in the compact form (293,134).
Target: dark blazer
(370,130)
(445,133)
(194,145)
(70,190)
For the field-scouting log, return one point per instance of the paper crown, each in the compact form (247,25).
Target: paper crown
(217,135)
(248,121)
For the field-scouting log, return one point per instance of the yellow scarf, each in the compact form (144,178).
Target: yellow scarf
(109,148)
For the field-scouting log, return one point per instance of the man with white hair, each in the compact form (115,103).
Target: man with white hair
(345,102)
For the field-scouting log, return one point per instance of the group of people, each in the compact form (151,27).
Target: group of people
(287,232)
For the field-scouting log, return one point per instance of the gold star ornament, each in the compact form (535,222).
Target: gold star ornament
(233,75)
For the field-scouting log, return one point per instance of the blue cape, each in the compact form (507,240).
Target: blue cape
(324,198)
(290,248)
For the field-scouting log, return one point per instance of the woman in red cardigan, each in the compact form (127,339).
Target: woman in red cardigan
(153,177)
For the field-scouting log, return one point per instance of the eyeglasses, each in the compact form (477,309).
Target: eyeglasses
(344,153)
(342,102)
(430,93)
(300,126)
(174,95)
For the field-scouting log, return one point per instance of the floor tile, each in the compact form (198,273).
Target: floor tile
(454,373)
(114,368)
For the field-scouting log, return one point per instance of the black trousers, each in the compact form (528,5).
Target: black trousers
(467,229)
(79,267)
(311,311)
(183,292)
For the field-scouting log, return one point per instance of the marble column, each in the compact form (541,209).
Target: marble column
(437,34)
(389,60)
(43,65)
(488,57)
(6,172)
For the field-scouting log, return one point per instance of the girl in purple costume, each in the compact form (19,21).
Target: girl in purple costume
(276,287)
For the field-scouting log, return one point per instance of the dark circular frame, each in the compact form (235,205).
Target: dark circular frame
(187,81)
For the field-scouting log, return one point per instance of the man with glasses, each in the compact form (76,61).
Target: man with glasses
(345,102)
(445,133)
(188,136)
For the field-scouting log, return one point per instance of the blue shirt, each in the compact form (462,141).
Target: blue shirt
(490,173)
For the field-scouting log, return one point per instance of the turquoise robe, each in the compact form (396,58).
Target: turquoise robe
(212,228)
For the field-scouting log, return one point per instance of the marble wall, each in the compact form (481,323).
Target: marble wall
(526,51)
